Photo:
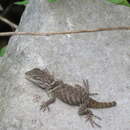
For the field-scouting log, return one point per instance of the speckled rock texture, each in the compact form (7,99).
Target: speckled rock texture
(103,58)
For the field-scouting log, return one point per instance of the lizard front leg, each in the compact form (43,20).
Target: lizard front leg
(89,115)
(45,105)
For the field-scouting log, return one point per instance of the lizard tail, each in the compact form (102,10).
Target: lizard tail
(95,104)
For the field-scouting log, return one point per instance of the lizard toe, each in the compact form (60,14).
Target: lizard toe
(90,117)
(44,107)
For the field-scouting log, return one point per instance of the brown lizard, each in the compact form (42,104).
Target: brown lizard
(76,95)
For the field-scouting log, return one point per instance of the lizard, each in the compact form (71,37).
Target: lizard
(73,95)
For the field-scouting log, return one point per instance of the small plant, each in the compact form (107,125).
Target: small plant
(2,51)
(121,2)
(51,0)
(24,2)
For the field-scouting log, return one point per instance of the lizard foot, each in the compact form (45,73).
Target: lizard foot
(44,107)
(90,117)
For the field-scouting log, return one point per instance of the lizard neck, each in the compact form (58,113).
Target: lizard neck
(55,84)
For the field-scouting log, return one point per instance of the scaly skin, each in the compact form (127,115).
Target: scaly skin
(76,95)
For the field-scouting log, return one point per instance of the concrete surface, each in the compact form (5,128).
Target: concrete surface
(103,58)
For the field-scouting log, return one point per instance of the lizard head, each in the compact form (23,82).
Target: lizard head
(39,77)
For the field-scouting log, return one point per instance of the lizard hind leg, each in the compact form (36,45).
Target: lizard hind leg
(89,116)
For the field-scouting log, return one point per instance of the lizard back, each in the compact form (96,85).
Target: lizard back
(77,96)
(70,94)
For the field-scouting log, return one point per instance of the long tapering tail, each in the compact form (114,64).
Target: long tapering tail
(95,104)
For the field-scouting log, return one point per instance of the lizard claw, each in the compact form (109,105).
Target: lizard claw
(44,106)
(92,122)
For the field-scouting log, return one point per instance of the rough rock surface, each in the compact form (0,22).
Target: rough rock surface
(103,58)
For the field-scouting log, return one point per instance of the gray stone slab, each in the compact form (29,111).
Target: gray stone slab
(103,58)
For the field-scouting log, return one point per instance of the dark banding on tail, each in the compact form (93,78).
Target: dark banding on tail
(95,104)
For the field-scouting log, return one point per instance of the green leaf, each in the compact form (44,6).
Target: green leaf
(121,2)
(22,2)
(51,0)
(116,1)
(2,51)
